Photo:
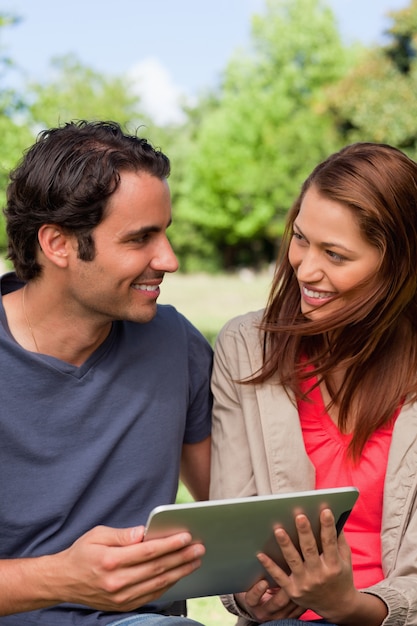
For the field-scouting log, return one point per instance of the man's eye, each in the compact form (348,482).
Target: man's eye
(140,239)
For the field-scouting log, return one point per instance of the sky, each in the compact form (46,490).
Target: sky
(170,48)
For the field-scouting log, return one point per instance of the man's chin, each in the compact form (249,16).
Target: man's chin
(142,316)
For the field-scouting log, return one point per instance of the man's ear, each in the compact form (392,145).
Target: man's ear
(55,244)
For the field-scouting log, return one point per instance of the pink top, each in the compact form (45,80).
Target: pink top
(326,447)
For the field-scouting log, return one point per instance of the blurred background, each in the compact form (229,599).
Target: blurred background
(245,97)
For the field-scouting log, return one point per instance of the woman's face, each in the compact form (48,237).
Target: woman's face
(329,254)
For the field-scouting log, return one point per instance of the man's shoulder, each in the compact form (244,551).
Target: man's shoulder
(168,311)
(10,282)
(168,322)
(168,316)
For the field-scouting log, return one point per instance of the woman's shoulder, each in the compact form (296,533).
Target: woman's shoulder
(242,332)
(239,345)
(247,323)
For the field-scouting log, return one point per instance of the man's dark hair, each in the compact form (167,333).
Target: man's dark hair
(66,178)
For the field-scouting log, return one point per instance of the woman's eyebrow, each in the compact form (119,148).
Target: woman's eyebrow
(326,244)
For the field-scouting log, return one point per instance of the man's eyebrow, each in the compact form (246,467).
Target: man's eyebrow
(142,231)
(152,228)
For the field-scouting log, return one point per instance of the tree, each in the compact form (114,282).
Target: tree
(376,101)
(76,91)
(15,135)
(263,133)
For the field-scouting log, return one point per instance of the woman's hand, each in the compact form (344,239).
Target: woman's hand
(323,582)
(265,603)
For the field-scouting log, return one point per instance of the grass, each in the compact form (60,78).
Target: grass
(210,612)
(209,302)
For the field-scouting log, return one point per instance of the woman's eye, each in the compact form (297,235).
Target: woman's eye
(336,257)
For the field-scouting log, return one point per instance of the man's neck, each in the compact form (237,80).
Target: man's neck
(40,322)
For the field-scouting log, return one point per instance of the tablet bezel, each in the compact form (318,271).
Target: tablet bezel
(235,530)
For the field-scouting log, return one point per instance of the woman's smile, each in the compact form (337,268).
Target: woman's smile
(329,254)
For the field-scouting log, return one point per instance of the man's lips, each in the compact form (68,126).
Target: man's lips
(145,287)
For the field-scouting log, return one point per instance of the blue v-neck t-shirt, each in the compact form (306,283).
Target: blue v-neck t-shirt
(95,444)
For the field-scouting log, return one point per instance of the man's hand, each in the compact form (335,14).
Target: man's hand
(106,569)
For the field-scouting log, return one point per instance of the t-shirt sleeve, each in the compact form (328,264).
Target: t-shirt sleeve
(200,358)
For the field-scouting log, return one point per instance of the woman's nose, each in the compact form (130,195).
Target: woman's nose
(310,269)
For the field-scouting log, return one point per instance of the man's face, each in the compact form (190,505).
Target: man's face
(132,254)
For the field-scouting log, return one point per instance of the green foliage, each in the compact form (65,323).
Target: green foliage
(74,92)
(295,95)
(263,134)
(78,92)
(15,135)
(15,138)
(196,251)
(376,101)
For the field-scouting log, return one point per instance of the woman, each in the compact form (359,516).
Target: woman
(319,390)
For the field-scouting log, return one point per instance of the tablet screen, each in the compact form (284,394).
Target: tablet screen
(233,532)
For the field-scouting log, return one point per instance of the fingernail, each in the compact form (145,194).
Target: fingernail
(199,550)
(136,533)
(185,538)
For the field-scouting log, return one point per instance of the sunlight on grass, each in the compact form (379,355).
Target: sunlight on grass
(210,612)
(210,301)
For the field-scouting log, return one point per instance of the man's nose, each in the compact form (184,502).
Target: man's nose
(165,259)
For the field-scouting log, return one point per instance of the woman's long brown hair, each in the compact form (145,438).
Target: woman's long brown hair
(374,337)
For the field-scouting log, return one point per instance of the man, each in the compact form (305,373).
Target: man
(105,395)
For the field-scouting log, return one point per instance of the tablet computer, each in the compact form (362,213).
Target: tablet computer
(233,531)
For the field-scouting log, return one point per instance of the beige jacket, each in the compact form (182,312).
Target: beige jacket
(258,449)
